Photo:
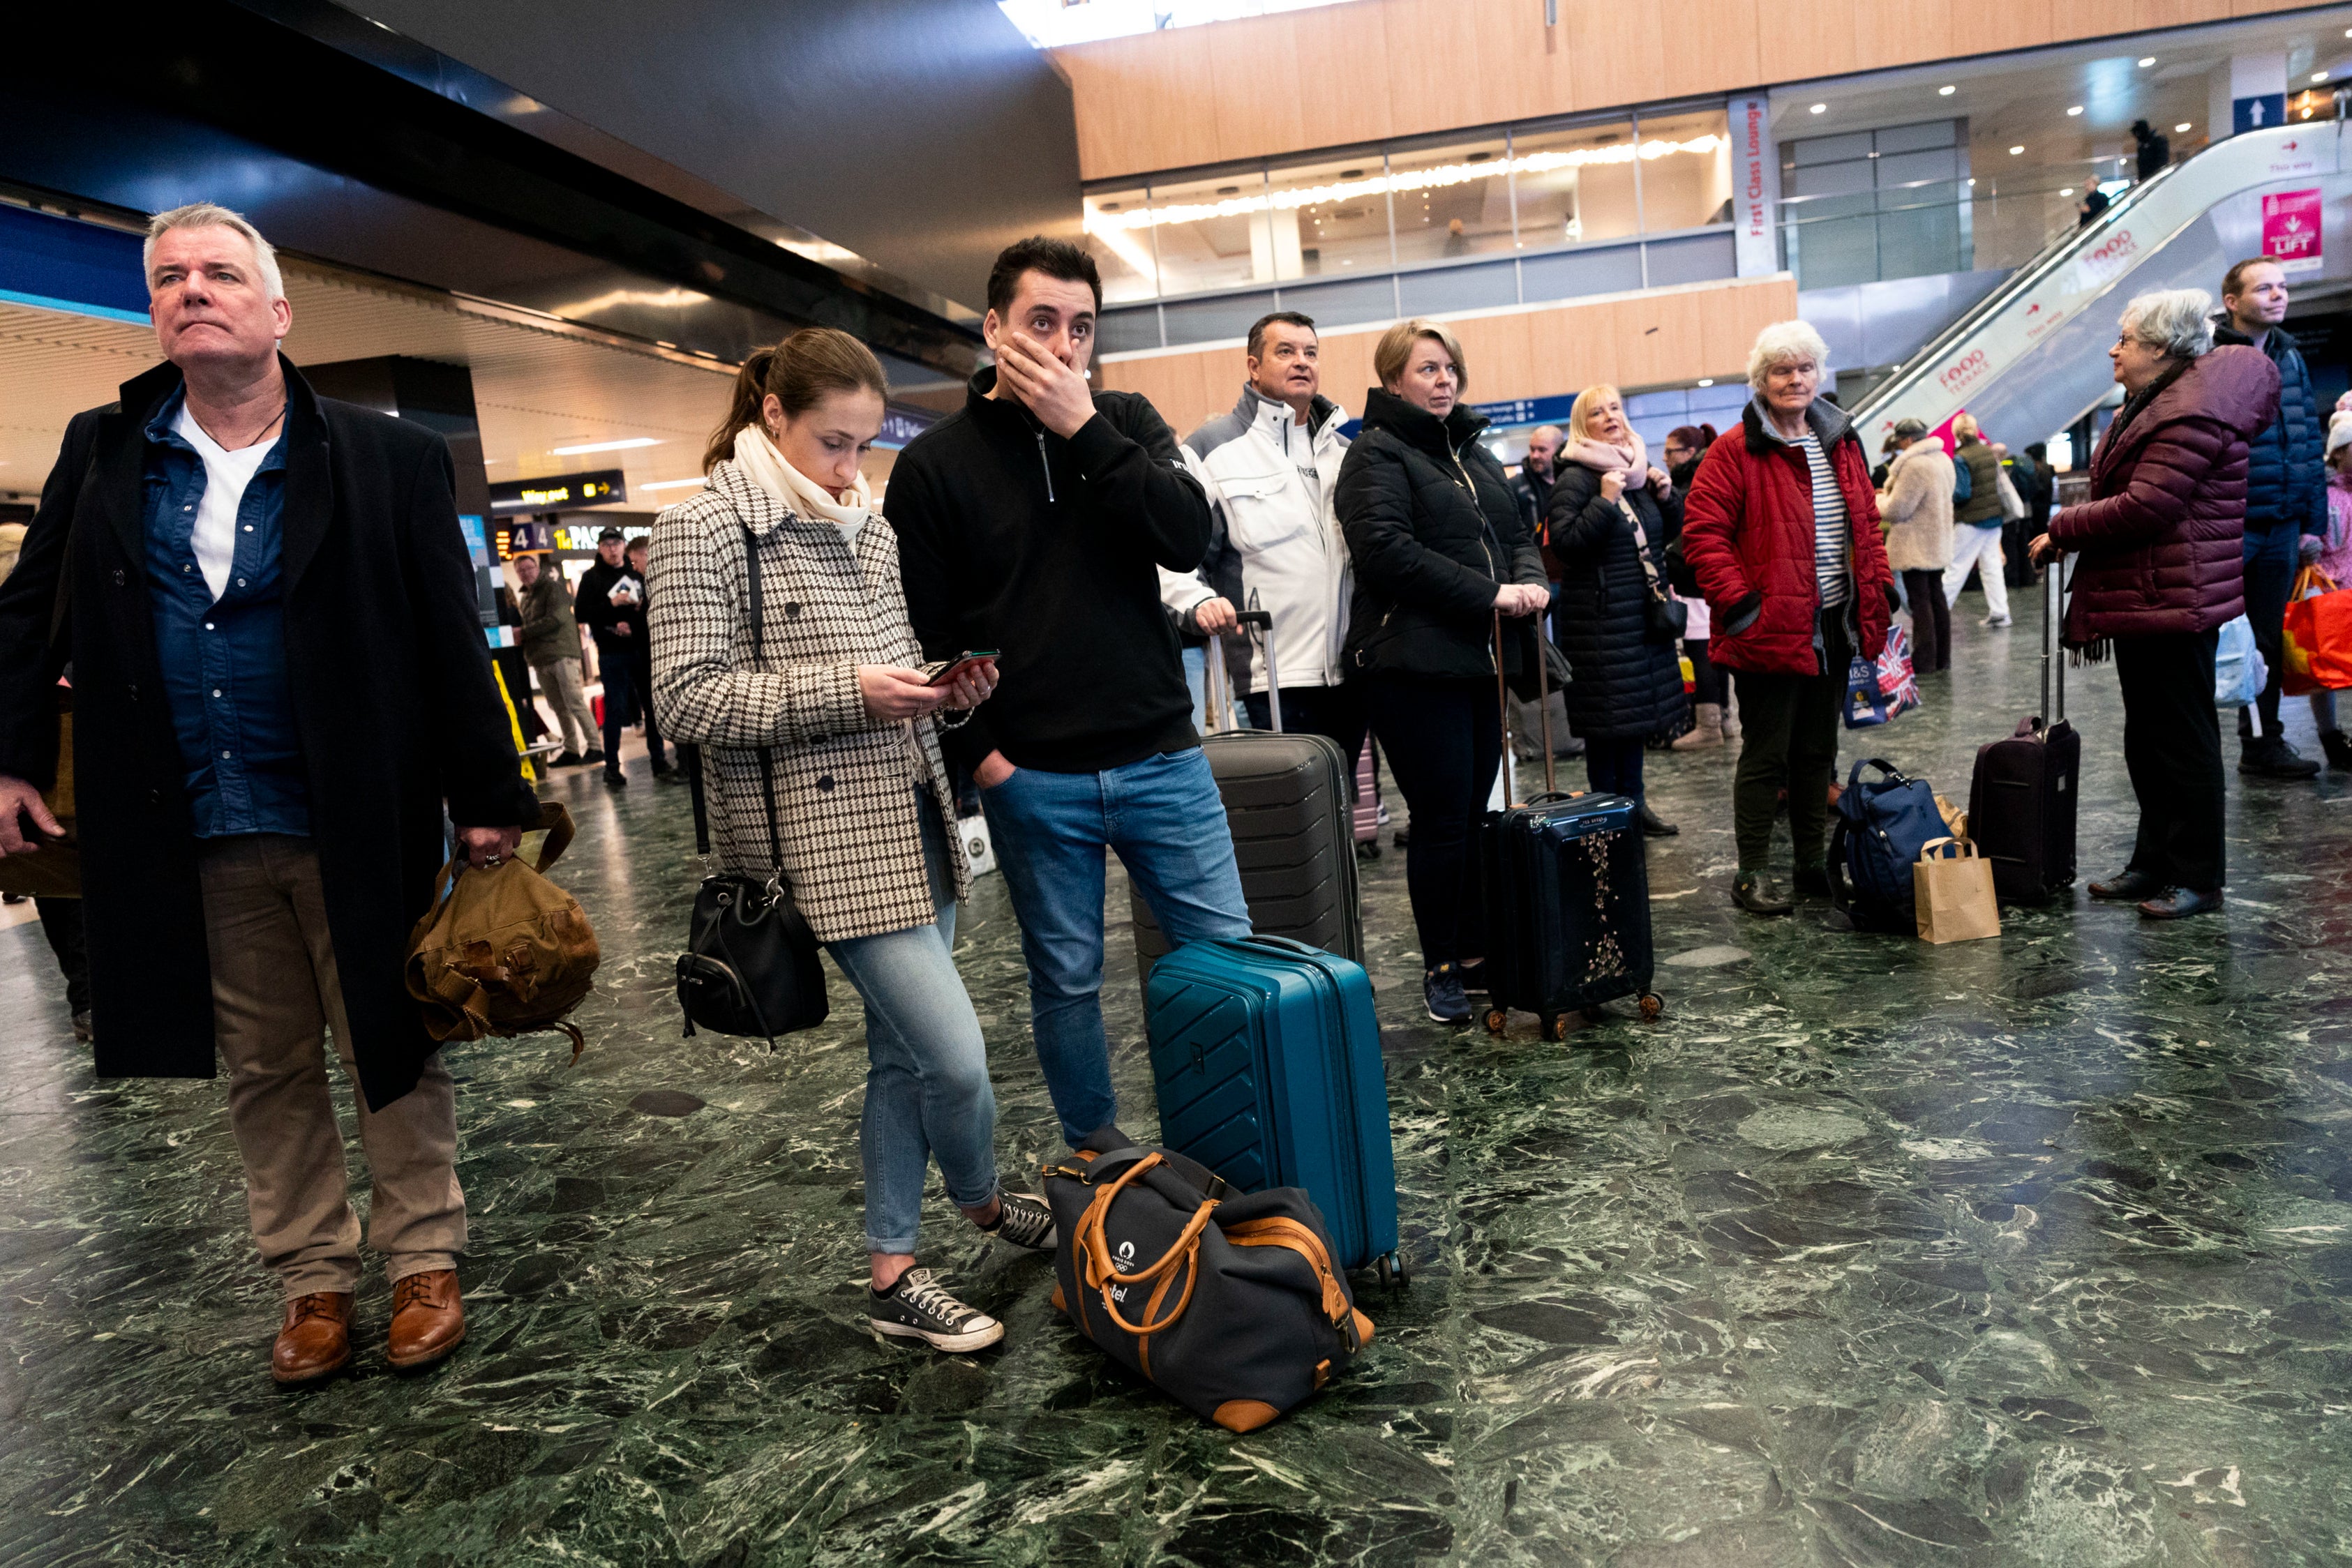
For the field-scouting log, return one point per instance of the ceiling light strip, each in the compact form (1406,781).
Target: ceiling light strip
(1098,222)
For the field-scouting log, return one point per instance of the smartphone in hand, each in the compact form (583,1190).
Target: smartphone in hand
(943,671)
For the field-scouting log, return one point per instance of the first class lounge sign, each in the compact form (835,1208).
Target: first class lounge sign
(559,492)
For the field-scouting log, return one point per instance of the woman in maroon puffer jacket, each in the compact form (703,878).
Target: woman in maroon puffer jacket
(1782,529)
(2159,570)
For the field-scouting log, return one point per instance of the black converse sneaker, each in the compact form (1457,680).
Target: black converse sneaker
(1024,1219)
(918,1307)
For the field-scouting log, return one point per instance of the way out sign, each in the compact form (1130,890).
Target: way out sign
(2291,230)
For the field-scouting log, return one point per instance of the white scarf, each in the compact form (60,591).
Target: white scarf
(767,469)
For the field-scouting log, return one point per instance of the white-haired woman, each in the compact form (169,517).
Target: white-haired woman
(2159,570)
(1780,527)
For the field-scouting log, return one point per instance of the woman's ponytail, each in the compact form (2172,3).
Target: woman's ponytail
(742,407)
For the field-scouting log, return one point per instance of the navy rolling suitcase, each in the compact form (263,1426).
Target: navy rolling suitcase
(1265,1054)
(2022,799)
(1568,901)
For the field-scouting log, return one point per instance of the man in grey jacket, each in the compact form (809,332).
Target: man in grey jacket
(550,641)
(1269,467)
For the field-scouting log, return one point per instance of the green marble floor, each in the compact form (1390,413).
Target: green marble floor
(2027,1252)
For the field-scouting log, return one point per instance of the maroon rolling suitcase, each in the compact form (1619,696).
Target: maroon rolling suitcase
(2021,799)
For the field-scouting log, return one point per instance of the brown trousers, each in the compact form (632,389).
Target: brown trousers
(274,995)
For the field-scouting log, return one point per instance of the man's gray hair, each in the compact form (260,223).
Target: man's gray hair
(211,215)
(2174,321)
(1781,342)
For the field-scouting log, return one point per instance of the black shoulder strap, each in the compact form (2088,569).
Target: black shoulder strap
(690,758)
(767,757)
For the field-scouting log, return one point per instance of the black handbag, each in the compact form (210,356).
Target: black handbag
(750,962)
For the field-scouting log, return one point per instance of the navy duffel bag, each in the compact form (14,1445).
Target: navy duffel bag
(1230,1304)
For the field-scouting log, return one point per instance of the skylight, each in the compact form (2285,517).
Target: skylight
(1050,23)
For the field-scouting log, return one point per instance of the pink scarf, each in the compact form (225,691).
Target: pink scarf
(1632,460)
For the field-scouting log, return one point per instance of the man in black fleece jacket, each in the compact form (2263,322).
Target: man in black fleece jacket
(1030,523)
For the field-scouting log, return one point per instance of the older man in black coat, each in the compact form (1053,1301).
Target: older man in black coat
(216,554)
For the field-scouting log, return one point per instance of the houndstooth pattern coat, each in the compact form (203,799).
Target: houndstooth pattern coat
(845,823)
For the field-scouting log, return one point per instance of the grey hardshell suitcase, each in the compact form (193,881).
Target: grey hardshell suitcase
(1293,823)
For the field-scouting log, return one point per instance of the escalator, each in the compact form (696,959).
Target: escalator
(2032,357)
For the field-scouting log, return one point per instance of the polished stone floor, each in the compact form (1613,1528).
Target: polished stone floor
(2035,1251)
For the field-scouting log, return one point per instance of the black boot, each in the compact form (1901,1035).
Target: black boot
(2339,747)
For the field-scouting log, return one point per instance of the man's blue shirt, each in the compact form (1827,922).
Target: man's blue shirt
(224,660)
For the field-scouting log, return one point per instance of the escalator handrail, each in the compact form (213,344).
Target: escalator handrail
(2048,259)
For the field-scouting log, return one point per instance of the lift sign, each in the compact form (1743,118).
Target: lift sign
(2291,230)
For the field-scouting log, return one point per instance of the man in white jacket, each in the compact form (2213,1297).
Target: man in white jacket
(1269,467)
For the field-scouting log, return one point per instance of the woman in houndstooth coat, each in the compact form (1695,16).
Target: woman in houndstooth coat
(832,693)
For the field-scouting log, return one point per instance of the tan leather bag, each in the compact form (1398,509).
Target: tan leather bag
(504,951)
(53,870)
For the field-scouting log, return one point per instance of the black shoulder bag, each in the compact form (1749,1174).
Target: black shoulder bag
(750,962)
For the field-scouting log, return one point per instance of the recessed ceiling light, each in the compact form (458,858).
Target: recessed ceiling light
(1706,380)
(2145,61)
(2182,128)
(2015,151)
(2076,109)
(1820,108)
(2319,75)
(1971,182)
(673,483)
(1946,91)
(2067,192)
(634,440)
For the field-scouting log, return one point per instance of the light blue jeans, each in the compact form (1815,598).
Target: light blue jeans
(927,1091)
(1166,820)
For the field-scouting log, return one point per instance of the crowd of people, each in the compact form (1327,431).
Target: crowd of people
(257,837)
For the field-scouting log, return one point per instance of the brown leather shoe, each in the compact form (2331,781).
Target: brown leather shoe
(315,1341)
(428,1320)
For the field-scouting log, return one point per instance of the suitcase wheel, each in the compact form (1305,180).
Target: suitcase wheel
(1556,1028)
(1654,1007)
(1391,1268)
(1495,1020)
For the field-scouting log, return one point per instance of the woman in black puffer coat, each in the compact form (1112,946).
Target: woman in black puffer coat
(1609,530)
(1439,550)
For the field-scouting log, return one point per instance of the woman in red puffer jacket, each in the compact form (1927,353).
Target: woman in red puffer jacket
(2159,570)
(1782,529)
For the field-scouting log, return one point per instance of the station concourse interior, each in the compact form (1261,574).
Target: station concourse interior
(2034,1250)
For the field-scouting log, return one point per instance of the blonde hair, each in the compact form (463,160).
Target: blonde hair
(1781,342)
(1580,413)
(211,215)
(1965,426)
(1396,347)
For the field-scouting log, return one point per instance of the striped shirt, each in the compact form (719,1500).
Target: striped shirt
(1830,526)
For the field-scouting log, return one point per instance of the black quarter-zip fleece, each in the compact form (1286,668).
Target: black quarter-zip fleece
(1013,539)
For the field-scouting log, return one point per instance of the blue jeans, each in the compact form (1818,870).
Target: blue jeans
(927,1091)
(1196,681)
(1165,818)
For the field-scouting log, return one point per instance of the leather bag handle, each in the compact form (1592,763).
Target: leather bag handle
(1094,1248)
(556,817)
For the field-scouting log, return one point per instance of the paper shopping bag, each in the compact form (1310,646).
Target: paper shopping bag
(1952,888)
